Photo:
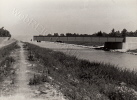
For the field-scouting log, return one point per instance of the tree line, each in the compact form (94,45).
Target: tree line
(4,32)
(113,33)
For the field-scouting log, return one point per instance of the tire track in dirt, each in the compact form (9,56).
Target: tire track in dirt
(23,87)
(23,91)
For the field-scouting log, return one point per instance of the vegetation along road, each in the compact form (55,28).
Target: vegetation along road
(30,72)
(19,78)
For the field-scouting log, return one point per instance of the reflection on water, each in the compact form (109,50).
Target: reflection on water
(119,59)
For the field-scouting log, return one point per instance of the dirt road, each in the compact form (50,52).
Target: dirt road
(23,91)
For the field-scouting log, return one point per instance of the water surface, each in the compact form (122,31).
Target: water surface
(119,59)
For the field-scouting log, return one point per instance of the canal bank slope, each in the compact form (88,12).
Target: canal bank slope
(81,79)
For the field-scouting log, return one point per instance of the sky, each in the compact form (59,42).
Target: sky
(41,17)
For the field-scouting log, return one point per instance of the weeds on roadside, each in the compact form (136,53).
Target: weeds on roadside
(81,78)
(38,79)
(134,51)
(4,51)
(30,57)
(6,60)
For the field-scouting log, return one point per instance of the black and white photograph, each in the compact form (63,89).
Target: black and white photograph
(68,49)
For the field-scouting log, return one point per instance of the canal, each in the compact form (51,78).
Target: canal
(118,59)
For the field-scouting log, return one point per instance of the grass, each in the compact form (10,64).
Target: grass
(134,51)
(81,79)
(5,67)
(38,79)
(6,61)
(4,51)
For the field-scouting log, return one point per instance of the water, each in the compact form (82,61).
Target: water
(119,59)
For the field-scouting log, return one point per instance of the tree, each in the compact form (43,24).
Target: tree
(74,34)
(135,33)
(68,34)
(104,34)
(117,34)
(62,34)
(56,34)
(124,32)
(113,30)
(49,35)
(4,32)
(112,33)
(99,33)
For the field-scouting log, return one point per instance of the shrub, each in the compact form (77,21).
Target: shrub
(38,79)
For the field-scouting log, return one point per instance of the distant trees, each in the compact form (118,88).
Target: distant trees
(99,33)
(62,34)
(113,33)
(49,35)
(76,34)
(68,34)
(4,32)
(56,34)
(123,32)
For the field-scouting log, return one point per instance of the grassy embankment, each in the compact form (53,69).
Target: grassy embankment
(80,79)
(133,51)
(6,61)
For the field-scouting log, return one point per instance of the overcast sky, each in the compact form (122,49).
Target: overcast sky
(34,17)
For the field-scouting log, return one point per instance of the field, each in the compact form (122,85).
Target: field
(81,79)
